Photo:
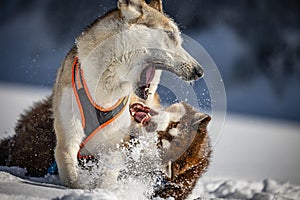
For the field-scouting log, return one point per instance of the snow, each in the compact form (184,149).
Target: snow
(12,187)
(14,99)
(255,158)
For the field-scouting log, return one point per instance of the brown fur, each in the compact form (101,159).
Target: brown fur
(157,4)
(188,168)
(32,147)
(4,151)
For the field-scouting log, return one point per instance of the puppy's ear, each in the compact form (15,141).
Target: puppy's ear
(131,9)
(157,4)
(201,120)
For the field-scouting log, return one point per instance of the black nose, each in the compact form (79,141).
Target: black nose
(198,72)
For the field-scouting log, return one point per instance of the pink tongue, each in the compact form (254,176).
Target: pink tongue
(150,75)
(141,114)
(142,117)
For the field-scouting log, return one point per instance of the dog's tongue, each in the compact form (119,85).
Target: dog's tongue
(150,75)
(141,113)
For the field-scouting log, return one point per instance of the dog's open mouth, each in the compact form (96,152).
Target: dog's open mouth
(141,113)
(143,85)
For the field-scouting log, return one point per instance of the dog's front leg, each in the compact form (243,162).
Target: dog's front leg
(66,158)
(69,133)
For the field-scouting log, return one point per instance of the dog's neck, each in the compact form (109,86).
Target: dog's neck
(104,86)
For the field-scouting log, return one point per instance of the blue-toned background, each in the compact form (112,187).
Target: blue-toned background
(255,44)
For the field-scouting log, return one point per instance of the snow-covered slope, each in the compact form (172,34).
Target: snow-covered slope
(249,154)
(14,100)
(256,148)
(12,187)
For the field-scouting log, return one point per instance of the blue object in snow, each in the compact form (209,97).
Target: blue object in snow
(53,170)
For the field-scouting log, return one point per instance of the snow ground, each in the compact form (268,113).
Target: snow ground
(250,155)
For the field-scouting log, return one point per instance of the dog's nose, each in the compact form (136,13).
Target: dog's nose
(198,72)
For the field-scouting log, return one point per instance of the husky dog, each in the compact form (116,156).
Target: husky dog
(135,40)
(106,86)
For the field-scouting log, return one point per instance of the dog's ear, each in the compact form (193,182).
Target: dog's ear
(131,9)
(157,4)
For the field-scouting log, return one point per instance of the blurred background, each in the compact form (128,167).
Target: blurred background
(255,44)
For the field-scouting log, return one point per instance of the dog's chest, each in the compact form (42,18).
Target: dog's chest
(108,138)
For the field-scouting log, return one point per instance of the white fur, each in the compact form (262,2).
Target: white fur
(168,169)
(119,69)
(113,53)
(68,144)
(174,132)
(130,11)
(162,120)
(176,112)
(152,89)
(165,144)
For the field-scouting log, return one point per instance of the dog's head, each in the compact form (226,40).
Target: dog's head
(185,142)
(162,39)
(138,38)
(182,137)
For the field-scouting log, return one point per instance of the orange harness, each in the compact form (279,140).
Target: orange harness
(93,117)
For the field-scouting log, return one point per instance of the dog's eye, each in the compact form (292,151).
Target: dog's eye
(173,125)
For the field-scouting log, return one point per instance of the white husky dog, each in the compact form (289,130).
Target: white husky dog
(114,59)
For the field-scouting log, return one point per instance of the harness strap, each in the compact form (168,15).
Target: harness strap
(93,116)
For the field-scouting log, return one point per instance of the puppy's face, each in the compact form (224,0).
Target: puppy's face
(185,141)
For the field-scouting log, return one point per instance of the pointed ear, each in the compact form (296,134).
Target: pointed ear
(131,9)
(156,4)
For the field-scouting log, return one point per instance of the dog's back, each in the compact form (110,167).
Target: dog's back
(32,146)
